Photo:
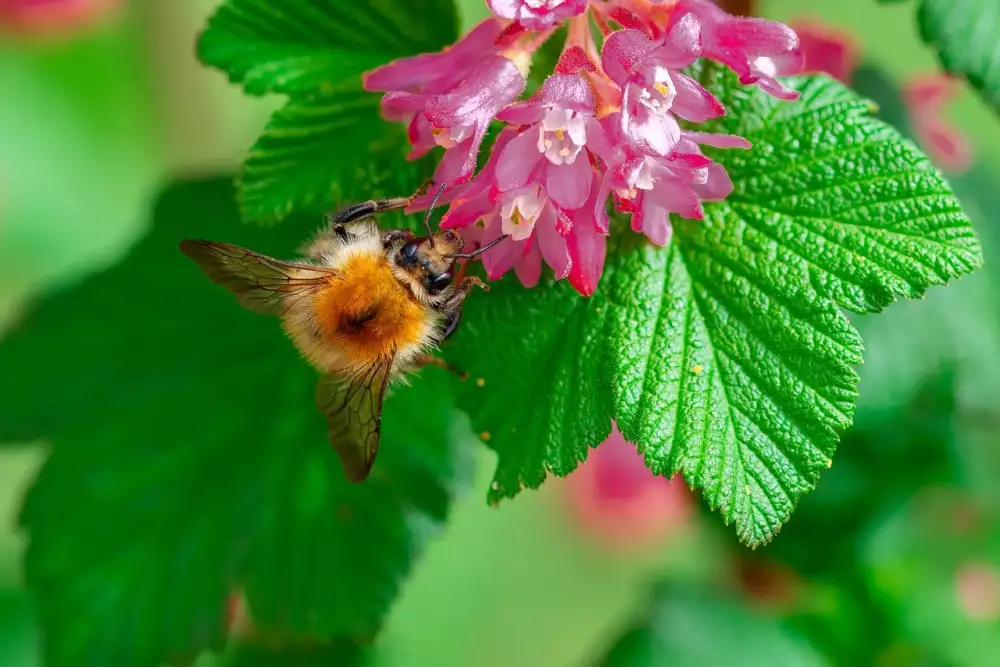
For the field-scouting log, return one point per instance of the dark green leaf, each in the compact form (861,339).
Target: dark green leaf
(966,36)
(314,46)
(337,654)
(691,627)
(189,461)
(330,149)
(725,356)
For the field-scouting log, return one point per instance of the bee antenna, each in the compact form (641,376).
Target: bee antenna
(430,211)
(478,251)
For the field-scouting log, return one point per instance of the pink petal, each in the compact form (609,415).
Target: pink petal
(518,161)
(622,52)
(682,44)
(421,137)
(492,85)
(652,220)
(675,195)
(521,113)
(659,134)
(600,208)
(458,162)
(532,18)
(946,145)
(717,187)
(693,102)
(569,91)
(569,184)
(551,244)
(529,266)
(718,140)
(587,247)
(417,72)
(501,258)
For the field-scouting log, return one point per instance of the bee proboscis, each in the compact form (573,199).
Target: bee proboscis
(362,306)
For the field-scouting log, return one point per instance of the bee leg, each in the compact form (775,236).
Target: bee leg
(431,360)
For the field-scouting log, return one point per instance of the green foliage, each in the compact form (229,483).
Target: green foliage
(339,654)
(328,143)
(206,467)
(725,356)
(327,149)
(686,627)
(966,36)
(305,48)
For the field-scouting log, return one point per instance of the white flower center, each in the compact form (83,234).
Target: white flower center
(643,176)
(659,97)
(447,137)
(519,213)
(562,135)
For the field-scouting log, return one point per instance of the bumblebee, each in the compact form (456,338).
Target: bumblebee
(364,307)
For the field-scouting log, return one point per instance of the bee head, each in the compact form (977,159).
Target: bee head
(429,259)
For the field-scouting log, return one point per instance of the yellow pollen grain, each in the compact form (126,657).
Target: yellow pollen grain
(632,193)
(548,143)
(564,152)
(661,89)
(697,370)
(829,463)
(560,134)
(436,131)
(480,382)
(485,435)
(515,217)
(747,489)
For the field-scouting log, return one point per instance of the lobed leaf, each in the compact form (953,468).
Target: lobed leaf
(725,355)
(305,47)
(966,36)
(189,461)
(326,149)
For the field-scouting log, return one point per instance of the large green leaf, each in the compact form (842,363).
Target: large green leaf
(725,356)
(312,46)
(966,36)
(189,461)
(330,148)
(689,627)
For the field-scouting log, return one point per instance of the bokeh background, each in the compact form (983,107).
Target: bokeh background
(894,560)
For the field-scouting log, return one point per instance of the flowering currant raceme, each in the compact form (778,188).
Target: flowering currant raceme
(611,126)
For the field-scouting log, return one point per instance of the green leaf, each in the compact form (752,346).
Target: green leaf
(339,654)
(189,461)
(725,355)
(305,47)
(685,626)
(966,36)
(329,149)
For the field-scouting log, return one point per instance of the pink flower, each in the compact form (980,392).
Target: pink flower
(605,125)
(450,98)
(32,17)
(537,14)
(827,50)
(653,89)
(756,49)
(947,145)
(617,501)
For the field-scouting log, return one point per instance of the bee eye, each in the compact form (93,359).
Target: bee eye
(409,252)
(440,281)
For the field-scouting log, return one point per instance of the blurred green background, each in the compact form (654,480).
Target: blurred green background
(877,566)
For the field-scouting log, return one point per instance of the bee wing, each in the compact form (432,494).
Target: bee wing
(352,405)
(262,284)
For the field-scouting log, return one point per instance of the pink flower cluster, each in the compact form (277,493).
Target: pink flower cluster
(603,126)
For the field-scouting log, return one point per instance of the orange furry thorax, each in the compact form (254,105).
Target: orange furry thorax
(366,312)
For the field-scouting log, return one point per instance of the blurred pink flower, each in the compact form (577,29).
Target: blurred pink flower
(948,146)
(977,587)
(827,50)
(615,499)
(46,17)
(602,128)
